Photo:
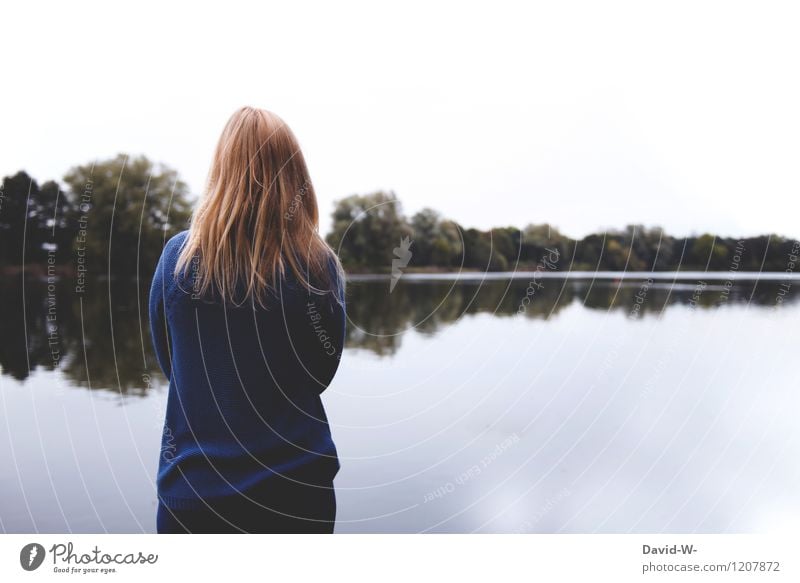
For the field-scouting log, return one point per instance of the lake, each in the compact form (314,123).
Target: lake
(588,403)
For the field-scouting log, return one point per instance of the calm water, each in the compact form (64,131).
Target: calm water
(576,405)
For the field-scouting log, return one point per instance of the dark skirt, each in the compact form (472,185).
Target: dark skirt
(282,506)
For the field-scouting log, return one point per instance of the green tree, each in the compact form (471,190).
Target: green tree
(367,228)
(615,256)
(505,243)
(481,251)
(126,207)
(425,225)
(537,239)
(590,252)
(13,214)
(436,241)
(707,251)
(34,218)
(448,247)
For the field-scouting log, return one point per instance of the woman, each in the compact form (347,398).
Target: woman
(247,318)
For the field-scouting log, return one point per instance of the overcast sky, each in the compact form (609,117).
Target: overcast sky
(586,116)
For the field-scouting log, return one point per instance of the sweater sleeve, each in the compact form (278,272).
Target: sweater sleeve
(329,323)
(158,319)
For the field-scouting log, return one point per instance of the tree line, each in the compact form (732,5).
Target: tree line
(368,228)
(111,217)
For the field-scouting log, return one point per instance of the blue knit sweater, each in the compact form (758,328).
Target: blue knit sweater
(244,386)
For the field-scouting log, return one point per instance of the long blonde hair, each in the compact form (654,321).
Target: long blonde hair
(258,216)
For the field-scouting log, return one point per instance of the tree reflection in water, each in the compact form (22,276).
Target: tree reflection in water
(100,338)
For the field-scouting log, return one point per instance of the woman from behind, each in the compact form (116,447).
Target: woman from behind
(247,318)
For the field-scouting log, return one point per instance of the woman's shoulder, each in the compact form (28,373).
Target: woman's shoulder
(169,258)
(172,250)
(175,243)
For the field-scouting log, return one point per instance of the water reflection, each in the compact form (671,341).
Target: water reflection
(378,318)
(600,406)
(99,339)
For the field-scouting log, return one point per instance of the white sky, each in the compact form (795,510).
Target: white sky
(587,116)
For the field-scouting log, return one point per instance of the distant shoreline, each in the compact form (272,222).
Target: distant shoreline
(605,275)
(36,271)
